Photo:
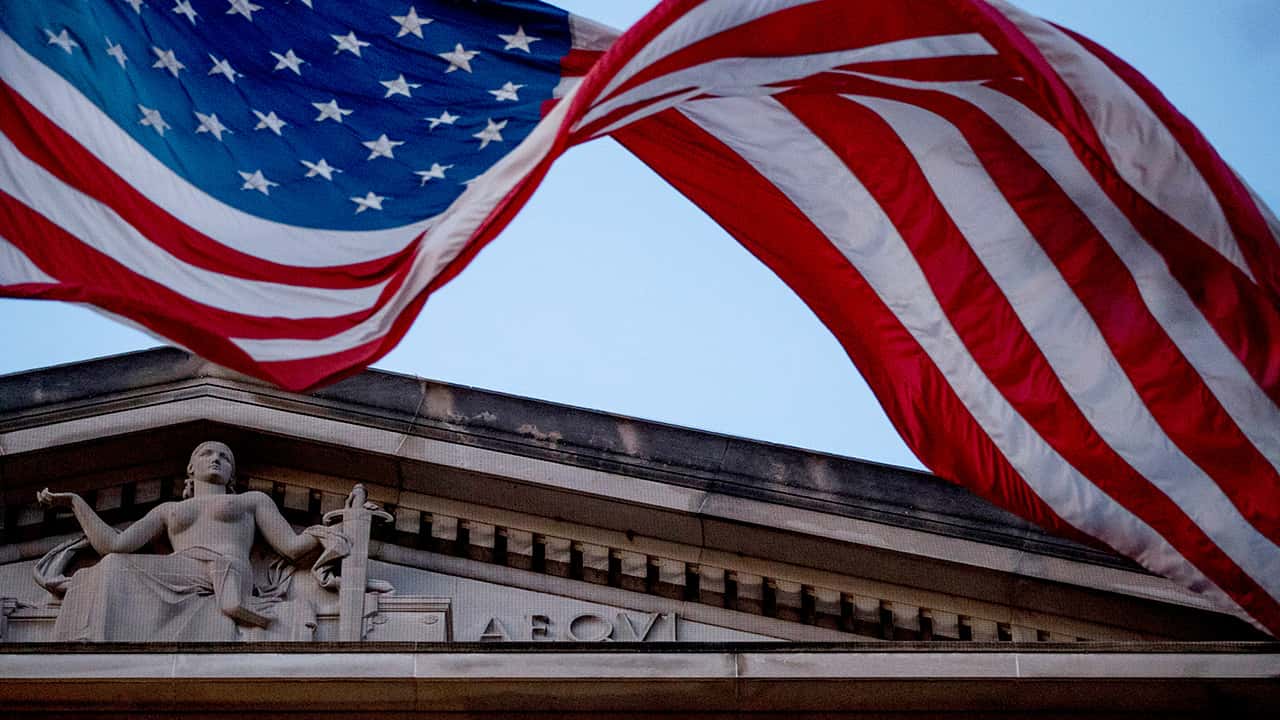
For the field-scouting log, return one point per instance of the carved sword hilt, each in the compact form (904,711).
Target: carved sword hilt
(357,521)
(357,500)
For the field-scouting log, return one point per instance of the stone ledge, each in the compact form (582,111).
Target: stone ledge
(614,648)
(886,679)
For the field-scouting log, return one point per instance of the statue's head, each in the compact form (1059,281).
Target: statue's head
(213,463)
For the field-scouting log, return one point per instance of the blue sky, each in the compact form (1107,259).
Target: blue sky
(610,291)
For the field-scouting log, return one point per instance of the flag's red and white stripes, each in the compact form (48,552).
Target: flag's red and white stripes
(88,215)
(1064,298)
(1060,293)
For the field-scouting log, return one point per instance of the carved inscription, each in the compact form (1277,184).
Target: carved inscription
(582,627)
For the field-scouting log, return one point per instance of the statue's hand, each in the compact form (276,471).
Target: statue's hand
(53,499)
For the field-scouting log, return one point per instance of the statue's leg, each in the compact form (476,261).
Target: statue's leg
(234,596)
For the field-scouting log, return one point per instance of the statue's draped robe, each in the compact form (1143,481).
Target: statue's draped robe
(153,598)
(175,598)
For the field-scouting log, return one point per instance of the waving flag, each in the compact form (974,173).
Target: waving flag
(273,185)
(1063,297)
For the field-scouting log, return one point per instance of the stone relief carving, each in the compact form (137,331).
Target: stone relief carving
(216,585)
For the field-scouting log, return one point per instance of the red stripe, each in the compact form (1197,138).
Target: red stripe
(818,27)
(1175,393)
(1247,223)
(987,323)
(938,69)
(32,290)
(1240,311)
(917,398)
(125,292)
(60,154)
(87,274)
(578,62)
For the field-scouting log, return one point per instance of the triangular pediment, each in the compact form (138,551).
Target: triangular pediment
(534,521)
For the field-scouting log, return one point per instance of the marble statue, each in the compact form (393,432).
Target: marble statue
(205,589)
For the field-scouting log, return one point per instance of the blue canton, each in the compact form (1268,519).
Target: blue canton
(337,114)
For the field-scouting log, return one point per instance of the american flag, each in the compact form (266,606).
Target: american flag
(1063,297)
(257,180)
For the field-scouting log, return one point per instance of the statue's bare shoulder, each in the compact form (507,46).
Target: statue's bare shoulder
(165,510)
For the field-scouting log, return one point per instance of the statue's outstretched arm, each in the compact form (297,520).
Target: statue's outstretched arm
(104,538)
(277,531)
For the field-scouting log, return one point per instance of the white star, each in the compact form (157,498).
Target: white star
(223,67)
(136,5)
(330,111)
(519,41)
(152,118)
(350,43)
(410,22)
(368,201)
(183,7)
(167,61)
(436,172)
(398,87)
(382,147)
(321,168)
(257,181)
(211,124)
(117,52)
(444,119)
(491,133)
(459,58)
(62,40)
(288,60)
(269,122)
(506,92)
(243,7)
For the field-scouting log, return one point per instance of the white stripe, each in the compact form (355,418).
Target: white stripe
(1253,411)
(62,102)
(1067,336)
(447,238)
(782,149)
(742,76)
(698,24)
(99,227)
(1269,217)
(652,108)
(1227,378)
(587,34)
(565,86)
(1143,150)
(17,269)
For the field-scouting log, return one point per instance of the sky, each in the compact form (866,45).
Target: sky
(611,291)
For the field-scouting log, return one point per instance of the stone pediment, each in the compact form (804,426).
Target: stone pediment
(515,520)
